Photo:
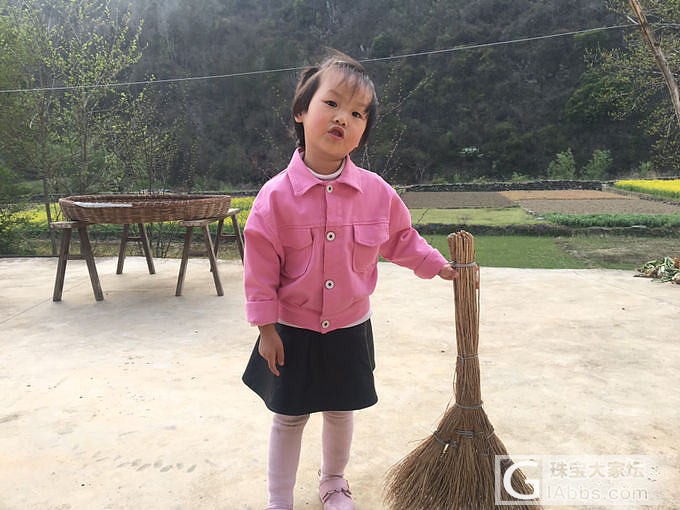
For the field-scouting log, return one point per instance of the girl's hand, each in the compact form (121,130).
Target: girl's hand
(271,347)
(447,272)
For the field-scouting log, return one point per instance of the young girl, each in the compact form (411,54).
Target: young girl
(312,243)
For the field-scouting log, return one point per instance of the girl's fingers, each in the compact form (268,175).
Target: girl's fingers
(271,349)
(279,354)
(272,365)
(270,357)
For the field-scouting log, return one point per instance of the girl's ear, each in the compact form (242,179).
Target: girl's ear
(298,117)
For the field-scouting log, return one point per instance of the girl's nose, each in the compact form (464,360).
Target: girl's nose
(339,119)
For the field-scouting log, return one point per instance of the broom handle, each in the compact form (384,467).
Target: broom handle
(466,301)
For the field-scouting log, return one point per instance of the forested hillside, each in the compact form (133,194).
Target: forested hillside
(494,112)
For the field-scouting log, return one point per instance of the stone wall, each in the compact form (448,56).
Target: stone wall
(547,229)
(508,186)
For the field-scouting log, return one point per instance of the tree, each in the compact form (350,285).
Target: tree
(660,58)
(150,147)
(645,91)
(47,44)
(28,138)
(518,104)
(563,166)
(93,50)
(596,169)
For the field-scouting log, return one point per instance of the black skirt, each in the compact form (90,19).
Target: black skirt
(321,372)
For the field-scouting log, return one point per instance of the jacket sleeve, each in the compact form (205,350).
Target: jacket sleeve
(405,246)
(261,266)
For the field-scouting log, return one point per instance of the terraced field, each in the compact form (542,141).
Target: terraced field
(455,200)
(541,202)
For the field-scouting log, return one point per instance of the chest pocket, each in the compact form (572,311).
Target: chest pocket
(367,241)
(297,245)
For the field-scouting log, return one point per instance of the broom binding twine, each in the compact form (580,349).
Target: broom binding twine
(477,406)
(463,357)
(453,263)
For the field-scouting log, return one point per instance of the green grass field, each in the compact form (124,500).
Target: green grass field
(516,251)
(578,252)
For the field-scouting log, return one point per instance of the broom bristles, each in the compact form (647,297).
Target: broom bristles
(454,467)
(460,477)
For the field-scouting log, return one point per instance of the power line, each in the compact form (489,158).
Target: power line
(497,43)
(299,68)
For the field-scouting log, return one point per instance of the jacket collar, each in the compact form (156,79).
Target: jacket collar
(302,180)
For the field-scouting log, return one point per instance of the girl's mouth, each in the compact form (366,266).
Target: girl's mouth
(337,132)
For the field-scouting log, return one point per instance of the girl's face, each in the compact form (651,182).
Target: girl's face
(334,121)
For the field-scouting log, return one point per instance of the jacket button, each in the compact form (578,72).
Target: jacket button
(330,284)
(330,236)
(325,324)
(329,188)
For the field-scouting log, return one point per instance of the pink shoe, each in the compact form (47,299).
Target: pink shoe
(335,494)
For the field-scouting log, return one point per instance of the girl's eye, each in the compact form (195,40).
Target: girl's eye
(332,103)
(357,115)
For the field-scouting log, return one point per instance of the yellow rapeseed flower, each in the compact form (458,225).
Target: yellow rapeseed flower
(661,187)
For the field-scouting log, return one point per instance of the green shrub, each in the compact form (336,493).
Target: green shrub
(644,169)
(518,177)
(614,220)
(596,169)
(563,166)
(10,205)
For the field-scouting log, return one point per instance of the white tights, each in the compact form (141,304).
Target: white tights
(284,452)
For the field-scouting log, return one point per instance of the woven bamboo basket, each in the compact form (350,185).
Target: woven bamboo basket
(143,208)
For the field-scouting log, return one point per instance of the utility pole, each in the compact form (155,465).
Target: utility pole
(659,56)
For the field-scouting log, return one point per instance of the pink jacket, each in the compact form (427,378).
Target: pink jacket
(312,246)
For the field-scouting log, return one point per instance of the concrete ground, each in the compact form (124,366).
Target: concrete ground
(136,402)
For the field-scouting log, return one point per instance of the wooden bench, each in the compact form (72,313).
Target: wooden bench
(85,253)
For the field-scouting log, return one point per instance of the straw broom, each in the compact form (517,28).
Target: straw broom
(454,467)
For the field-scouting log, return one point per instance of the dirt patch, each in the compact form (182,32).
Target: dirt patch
(455,199)
(617,252)
(567,194)
(594,206)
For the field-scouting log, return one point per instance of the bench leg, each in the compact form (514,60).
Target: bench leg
(86,251)
(237,233)
(147,248)
(123,246)
(218,236)
(61,265)
(213,260)
(183,264)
